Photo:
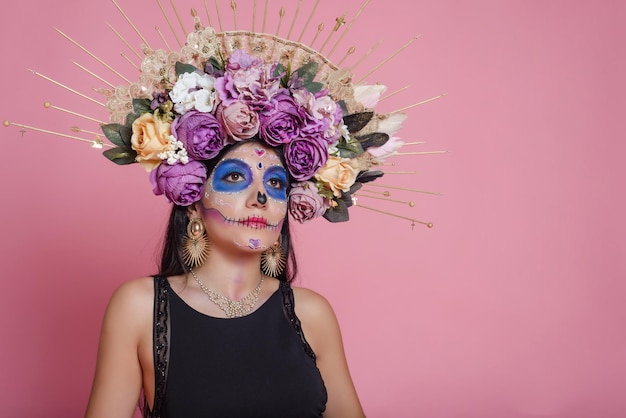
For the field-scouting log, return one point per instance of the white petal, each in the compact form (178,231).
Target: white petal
(369,96)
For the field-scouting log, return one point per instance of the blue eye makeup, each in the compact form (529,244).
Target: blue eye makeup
(231,176)
(275,180)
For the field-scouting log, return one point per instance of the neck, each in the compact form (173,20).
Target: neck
(232,275)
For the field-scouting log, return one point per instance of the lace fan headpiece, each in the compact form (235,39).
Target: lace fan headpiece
(222,87)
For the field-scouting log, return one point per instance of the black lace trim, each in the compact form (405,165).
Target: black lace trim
(289,308)
(161,337)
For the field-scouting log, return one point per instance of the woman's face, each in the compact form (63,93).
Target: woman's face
(245,198)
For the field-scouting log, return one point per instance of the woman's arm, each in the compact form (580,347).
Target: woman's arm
(118,378)
(321,329)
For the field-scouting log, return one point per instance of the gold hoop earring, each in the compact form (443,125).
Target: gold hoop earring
(195,244)
(273,259)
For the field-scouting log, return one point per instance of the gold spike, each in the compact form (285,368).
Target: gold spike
(320,28)
(162,38)
(92,55)
(253,14)
(400,172)
(339,22)
(264,17)
(421,153)
(385,193)
(66,87)
(131,25)
(404,202)
(393,94)
(197,24)
(219,17)
(293,21)
(128,45)
(129,61)
(169,23)
(367,54)
(233,6)
(419,103)
(180,22)
(206,8)
(401,188)
(414,143)
(348,53)
(45,131)
(281,14)
(363,6)
(93,74)
(389,58)
(413,221)
(49,105)
(306,25)
(78,129)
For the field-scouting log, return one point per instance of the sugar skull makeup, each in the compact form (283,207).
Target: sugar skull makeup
(246,196)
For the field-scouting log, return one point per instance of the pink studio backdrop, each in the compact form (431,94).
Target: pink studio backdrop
(512,306)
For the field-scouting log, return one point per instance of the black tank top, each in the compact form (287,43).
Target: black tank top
(259,365)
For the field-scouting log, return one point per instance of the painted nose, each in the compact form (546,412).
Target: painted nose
(261,198)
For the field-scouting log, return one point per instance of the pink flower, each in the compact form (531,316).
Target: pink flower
(281,120)
(200,132)
(304,156)
(180,183)
(305,203)
(238,120)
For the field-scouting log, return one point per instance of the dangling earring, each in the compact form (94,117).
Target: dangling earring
(273,259)
(195,244)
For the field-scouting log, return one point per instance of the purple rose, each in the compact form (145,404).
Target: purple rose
(181,183)
(247,79)
(304,156)
(305,203)
(201,134)
(238,120)
(281,120)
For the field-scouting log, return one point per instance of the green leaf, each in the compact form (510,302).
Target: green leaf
(313,86)
(338,213)
(355,187)
(130,118)
(375,139)
(357,121)
(215,63)
(342,105)
(308,71)
(279,70)
(370,175)
(120,156)
(141,106)
(349,149)
(184,68)
(118,134)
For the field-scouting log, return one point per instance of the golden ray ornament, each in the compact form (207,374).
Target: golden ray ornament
(273,260)
(195,245)
(157,68)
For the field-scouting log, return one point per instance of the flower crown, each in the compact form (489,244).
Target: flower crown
(224,87)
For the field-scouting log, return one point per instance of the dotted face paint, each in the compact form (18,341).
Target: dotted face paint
(245,198)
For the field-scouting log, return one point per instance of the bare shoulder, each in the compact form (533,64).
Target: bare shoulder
(311,306)
(132,301)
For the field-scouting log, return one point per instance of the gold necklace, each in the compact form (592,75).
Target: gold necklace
(232,308)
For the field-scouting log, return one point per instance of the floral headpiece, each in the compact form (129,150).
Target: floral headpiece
(231,86)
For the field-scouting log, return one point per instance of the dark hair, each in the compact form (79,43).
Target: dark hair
(172,263)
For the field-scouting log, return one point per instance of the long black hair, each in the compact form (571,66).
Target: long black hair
(172,263)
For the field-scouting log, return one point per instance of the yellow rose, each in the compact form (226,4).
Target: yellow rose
(150,138)
(339,174)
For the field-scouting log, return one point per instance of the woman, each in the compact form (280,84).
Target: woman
(237,140)
(244,210)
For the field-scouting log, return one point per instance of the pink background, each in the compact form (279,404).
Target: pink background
(512,306)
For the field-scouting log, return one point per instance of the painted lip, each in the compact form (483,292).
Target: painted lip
(256,222)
